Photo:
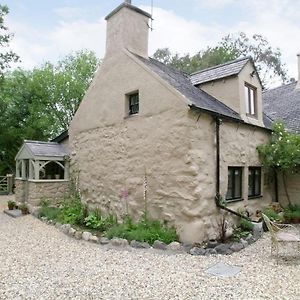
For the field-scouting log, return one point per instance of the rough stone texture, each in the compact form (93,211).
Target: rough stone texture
(235,247)
(250,239)
(40,262)
(244,243)
(179,155)
(210,251)
(174,246)
(257,230)
(222,248)
(52,190)
(94,239)
(104,240)
(136,244)
(65,228)
(72,231)
(86,235)
(159,245)
(78,235)
(197,251)
(119,242)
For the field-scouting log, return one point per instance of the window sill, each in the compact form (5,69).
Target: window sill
(131,116)
(254,197)
(234,200)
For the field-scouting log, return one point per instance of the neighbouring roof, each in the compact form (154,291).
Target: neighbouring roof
(283,104)
(132,7)
(230,68)
(181,82)
(58,139)
(37,149)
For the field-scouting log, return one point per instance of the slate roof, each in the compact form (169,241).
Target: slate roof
(132,7)
(230,68)
(283,103)
(46,149)
(182,83)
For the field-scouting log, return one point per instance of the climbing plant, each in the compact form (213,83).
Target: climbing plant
(281,153)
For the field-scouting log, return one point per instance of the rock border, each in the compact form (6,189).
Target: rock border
(212,247)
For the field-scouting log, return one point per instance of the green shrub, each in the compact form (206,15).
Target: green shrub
(239,233)
(246,225)
(271,214)
(145,230)
(50,213)
(101,223)
(292,213)
(72,211)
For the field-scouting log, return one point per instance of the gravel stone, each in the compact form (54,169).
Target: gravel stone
(78,235)
(57,225)
(40,262)
(250,239)
(159,245)
(244,243)
(104,241)
(210,251)
(86,235)
(174,246)
(94,239)
(119,242)
(71,231)
(137,244)
(235,247)
(65,228)
(197,251)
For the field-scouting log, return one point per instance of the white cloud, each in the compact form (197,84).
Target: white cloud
(278,20)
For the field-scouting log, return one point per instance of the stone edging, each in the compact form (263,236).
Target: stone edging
(212,247)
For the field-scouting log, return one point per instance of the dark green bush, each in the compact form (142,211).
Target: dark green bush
(96,221)
(72,211)
(271,214)
(50,213)
(145,230)
(292,213)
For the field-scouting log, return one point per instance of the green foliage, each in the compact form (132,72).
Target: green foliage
(292,214)
(239,233)
(282,152)
(96,221)
(24,208)
(267,60)
(11,204)
(245,225)
(71,211)
(272,215)
(145,230)
(50,213)
(39,104)
(6,57)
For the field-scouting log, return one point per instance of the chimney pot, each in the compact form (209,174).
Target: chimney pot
(128,1)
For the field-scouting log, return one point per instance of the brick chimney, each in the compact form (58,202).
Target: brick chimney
(298,83)
(127,28)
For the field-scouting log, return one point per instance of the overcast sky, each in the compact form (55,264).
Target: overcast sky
(49,29)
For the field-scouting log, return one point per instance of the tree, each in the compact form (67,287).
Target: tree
(40,103)
(6,57)
(281,153)
(266,59)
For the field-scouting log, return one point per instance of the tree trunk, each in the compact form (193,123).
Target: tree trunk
(285,188)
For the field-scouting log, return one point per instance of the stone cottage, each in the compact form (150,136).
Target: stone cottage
(194,137)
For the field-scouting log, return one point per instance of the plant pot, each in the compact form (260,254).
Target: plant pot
(11,207)
(25,211)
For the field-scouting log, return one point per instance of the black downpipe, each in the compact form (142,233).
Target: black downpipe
(218,197)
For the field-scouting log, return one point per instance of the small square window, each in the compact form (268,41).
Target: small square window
(133,101)
(254,182)
(234,189)
(250,100)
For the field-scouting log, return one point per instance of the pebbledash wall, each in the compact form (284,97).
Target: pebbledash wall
(33,191)
(173,144)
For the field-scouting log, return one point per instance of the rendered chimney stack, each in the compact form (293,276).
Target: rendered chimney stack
(298,83)
(127,28)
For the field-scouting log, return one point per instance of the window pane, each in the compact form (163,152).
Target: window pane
(237,184)
(133,104)
(252,103)
(257,182)
(247,99)
(250,182)
(229,188)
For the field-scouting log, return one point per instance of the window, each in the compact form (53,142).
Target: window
(133,101)
(254,182)
(250,98)
(234,189)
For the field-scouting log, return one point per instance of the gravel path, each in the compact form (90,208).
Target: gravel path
(39,262)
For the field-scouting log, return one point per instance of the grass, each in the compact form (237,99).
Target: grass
(292,214)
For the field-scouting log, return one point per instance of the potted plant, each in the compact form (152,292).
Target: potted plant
(11,205)
(24,209)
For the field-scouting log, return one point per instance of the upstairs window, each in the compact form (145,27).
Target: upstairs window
(254,182)
(250,98)
(133,101)
(234,188)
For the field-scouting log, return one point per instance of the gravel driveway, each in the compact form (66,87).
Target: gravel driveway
(39,262)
